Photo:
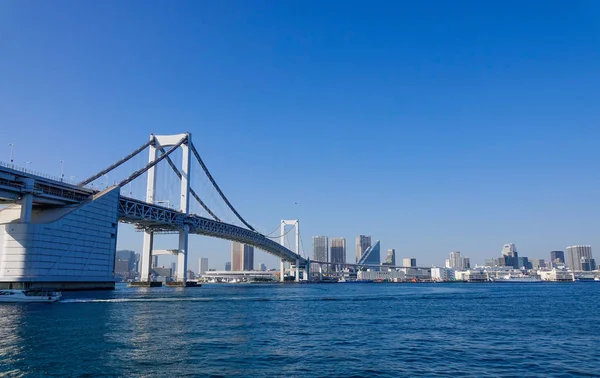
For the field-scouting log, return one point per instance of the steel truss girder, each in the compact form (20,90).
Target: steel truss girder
(155,218)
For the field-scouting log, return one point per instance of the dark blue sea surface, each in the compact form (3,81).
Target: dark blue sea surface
(313,330)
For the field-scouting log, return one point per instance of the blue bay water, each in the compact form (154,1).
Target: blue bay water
(327,330)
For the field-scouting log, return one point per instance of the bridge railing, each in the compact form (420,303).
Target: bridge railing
(31,172)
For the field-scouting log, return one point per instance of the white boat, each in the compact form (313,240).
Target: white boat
(519,278)
(29,296)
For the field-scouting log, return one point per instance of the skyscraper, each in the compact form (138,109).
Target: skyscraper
(173,269)
(578,254)
(338,251)
(510,257)
(371,256)
(509,250)
(557,257)
(320,248)
(242,256)
(390,259)
(228,266)
(202,265)
(362,243)
(455,261)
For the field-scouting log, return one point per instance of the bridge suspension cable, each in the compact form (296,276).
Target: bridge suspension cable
(117,164)
(192,192)
(212,180)
(140,172)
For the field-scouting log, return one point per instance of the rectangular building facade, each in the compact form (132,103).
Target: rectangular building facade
(362,243)
(576,254)
(338,251)
(321,248)
(203,265)
(242,257)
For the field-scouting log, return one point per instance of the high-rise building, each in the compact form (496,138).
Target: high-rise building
(125,265)
(455,261)
(557,257)
(509,257)
(371,256)
(509,250)
(576,254)
(242,256)
(320,248)
(409,262)
(263,267)
(362,243)
(338,252)
(155,261)
(390,259)
(202,265)
(228,266)
(173,269)
(466,263)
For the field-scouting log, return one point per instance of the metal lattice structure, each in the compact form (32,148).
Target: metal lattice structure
(158,219)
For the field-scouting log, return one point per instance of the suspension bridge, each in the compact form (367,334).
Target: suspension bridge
(63,233)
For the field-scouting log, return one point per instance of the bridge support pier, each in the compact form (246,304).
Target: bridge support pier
(297,270)
(182,255)
(282,271)
(146,257)
(320,272)
(27,201)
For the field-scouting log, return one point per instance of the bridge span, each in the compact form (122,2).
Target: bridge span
(61,234)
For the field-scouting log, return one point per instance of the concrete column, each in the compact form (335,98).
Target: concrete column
(297,270)
(281,271)
(146,257)
(320,272)
(183,253)
(26,201)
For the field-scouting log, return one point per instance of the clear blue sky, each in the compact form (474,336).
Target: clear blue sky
(433,126)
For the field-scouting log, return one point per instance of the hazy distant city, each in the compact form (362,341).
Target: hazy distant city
(329,263)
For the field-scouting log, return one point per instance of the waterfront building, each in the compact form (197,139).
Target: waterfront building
(263,267)
(362,243)
(321,248)
(442,274)
(371,256)
(556,275)
(173,269)
(576,254)
(409,262)
(155,261)
(242,256)
(203,265)
(390,259)
(557,257)
(375,275)
(228,266)
(338,252)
